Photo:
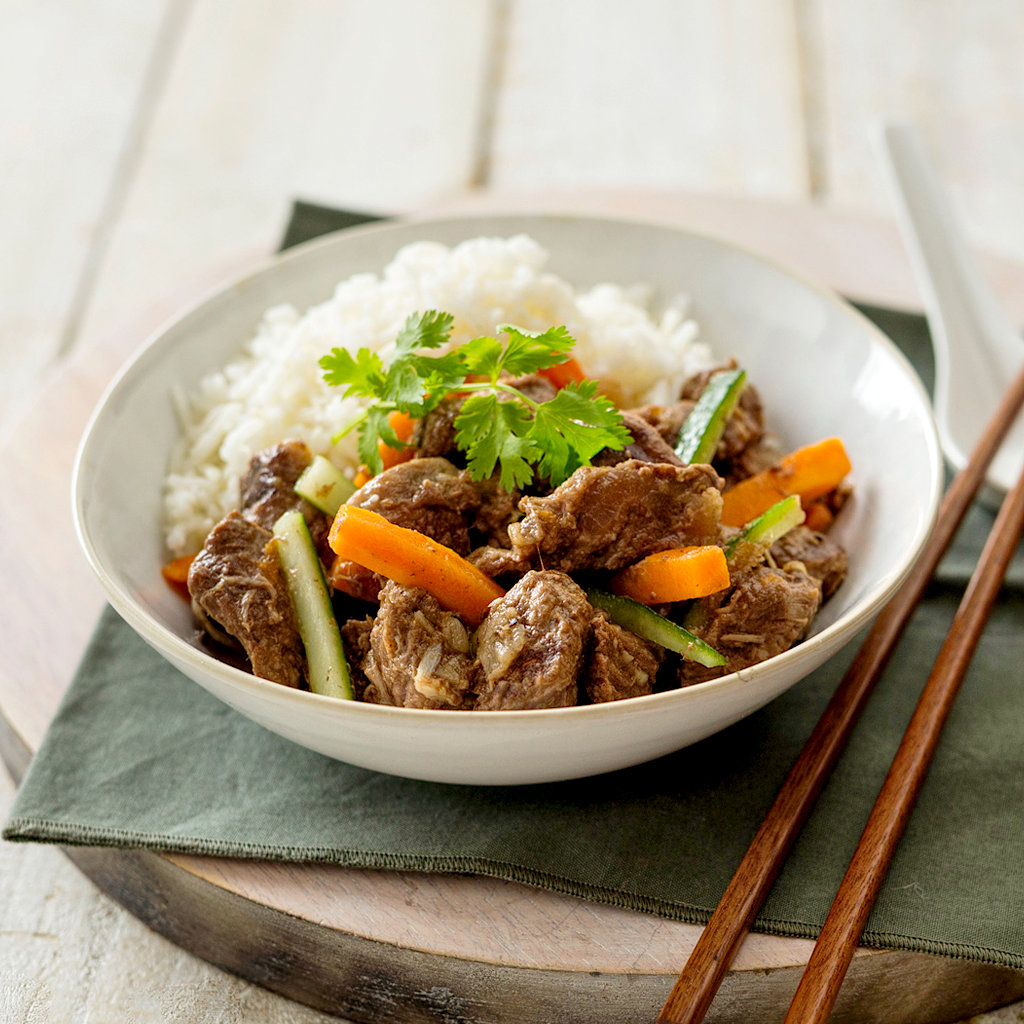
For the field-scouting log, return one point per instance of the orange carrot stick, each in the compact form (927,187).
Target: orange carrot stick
(404,427)
(819,516)
(175,572)
(414,560)
(809,472)
(679,574)
(569,372)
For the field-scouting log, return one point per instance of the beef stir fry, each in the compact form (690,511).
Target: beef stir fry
(642,570)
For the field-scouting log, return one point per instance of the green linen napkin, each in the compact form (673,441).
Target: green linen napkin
(139,756)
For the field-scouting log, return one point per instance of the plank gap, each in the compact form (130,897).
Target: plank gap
(154,80)
(493,81)
(810,47)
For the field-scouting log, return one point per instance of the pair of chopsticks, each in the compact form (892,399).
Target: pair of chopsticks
(709,962)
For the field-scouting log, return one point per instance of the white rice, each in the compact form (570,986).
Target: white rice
(274,389)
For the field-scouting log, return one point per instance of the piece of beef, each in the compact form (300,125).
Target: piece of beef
(435,433)
(355,639)
(355,580)
(494,561)
(268,488)
(533,385)
(430,496)
(530,645)
(755,458)
(816,553)
(237,588)
(498,508)
(647,445)
(744,449)
(607,517)
(834,500)
(667,420)
(620,664)
(419,653)
(764,614)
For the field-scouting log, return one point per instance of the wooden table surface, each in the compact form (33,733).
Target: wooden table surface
(151,149)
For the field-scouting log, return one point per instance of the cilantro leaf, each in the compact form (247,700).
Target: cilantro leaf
(440,375)
(403,386)
(573,427)
(363,373)
(482,357)
(373,427)
(412,376)
(530,351)
(490,431)
(496,425)
(524,352)
(428,330)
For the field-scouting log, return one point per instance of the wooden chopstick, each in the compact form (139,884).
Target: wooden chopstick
(819,986)
(709,962)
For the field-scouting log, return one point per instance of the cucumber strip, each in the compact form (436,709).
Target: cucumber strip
(646,622)
(324,486)
(702,429)
(696,616)
(304,578)
(770,525)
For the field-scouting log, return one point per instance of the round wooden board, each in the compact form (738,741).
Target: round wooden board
(388,946)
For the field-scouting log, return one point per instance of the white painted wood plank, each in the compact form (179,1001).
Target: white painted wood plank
(696,94)
(956,68)
(70,83)
(70,954)
(317,99)
(861,256)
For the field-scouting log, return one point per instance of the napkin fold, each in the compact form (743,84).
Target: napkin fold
(137,755)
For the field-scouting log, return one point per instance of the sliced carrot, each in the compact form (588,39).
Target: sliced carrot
(404,427)
(679,574)
(569,372)
(819,516)
(810,472)
(402,424)
(414,560)
(175,572)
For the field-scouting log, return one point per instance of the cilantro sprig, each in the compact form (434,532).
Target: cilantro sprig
(497,425)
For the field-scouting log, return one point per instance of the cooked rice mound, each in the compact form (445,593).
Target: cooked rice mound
(274,389)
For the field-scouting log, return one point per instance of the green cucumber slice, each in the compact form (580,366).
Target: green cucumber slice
(646,622)
(770,525)
(702,429)
(777,521)
(304,577)
(324,486)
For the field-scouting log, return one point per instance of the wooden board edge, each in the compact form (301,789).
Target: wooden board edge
(356,978)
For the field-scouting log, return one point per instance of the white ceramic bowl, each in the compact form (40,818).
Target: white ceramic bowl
(821,367)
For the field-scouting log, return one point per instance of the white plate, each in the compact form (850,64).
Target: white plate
(822,369)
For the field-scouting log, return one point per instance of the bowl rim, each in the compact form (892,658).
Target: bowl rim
(169,643)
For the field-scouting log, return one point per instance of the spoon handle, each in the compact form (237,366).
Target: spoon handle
(976,347)
(948,275)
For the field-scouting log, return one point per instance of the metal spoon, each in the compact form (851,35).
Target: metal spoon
(977,349)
